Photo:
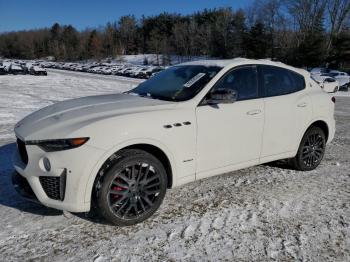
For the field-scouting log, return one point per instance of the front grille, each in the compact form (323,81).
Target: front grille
(22,151)
(54,187)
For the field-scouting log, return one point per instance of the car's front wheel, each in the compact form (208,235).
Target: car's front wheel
(132,189)
(311,150)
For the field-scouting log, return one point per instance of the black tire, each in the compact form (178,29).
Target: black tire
(132,188)
(311,150)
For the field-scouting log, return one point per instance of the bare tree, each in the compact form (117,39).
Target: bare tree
(128,30)
(338,15)
(269,13)
(306,14)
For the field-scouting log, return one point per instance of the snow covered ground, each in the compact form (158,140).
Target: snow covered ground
(260,213)
(343,94)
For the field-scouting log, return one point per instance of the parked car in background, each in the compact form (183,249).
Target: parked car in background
(3,71)
(327,83)
(318,71)
(38,71)
(16,69)
(342,77)
(105,68)
(148,72)
(189,122)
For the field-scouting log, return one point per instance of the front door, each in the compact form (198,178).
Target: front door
(230,135)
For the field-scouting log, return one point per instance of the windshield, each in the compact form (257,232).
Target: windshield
(177,83)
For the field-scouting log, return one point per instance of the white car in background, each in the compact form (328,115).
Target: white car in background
(37,70)
(120,153)
(342,77)
(327,82)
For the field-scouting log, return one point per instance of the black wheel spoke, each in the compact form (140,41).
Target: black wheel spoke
(119,201)
(148,201)
(145,175)
(156,184)
(141,204)
(124,178)
(317,154)
(133,173)
(117,192)
(306,156)
(116,183)
(128,210)
(122,206)
(149,180)
(140,173)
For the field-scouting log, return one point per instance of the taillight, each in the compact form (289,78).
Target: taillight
(333,99)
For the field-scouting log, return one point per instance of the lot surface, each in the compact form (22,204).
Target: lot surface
(259,213)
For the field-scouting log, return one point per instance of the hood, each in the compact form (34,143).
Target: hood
(61,119)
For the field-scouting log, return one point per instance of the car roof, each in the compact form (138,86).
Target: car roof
(244,61)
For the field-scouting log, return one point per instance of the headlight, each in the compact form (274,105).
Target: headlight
(58,144)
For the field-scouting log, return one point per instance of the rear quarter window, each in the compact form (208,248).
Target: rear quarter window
(277,81)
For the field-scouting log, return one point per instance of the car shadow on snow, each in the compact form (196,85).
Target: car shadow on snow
(282,164)
(8,196)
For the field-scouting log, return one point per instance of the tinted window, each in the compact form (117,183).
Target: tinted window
(242,80)
(279,81)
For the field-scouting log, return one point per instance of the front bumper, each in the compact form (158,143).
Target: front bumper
(22,187)
(64,186)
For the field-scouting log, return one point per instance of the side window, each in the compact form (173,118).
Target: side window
(279,81)
(242,80)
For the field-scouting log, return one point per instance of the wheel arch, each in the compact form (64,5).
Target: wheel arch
(159,154)
(321,124)
(153,147)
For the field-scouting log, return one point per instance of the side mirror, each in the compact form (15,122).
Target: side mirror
(222,96)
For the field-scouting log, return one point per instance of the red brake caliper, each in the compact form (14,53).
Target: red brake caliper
(118,188)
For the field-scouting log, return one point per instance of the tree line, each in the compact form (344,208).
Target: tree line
(298,32)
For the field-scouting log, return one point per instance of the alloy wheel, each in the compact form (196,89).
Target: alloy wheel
(134,190)
(313,150)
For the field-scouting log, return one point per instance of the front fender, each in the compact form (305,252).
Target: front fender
(150,141)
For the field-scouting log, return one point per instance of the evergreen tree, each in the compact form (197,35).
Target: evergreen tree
(94,45)
(256,42)
(311,51)
(340,55)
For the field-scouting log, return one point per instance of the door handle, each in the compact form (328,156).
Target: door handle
(254,112)
(302,104)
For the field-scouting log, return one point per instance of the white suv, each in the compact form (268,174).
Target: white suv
(120,153)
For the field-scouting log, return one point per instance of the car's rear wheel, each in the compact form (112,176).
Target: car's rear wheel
(311,150)
(132,189)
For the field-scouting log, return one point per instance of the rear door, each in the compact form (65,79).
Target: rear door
(288,110)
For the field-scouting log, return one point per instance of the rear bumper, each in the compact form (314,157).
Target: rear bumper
(331,130)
